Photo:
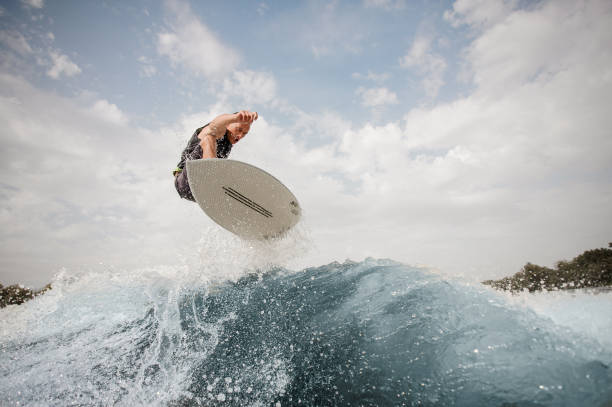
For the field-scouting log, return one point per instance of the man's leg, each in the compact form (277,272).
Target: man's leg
(182,186)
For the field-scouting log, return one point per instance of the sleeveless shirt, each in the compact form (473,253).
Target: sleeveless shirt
(193,151)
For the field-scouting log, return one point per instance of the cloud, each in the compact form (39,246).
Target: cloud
(252,87)
(429,64)
(24,58)
(385,4)
(15,41)
(262,8)
(371,76)
(108,112)
(479,14)
(62,65)
(147,69)
(537,45)
(375,97)
(191,44)
(33,3)
(80,185)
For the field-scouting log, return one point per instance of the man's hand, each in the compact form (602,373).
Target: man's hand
(244,116)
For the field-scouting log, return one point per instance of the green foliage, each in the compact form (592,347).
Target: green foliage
(592,268)
(18,294)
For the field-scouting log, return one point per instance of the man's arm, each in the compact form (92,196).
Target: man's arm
(216,130)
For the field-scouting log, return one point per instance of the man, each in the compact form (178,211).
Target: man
(214,140)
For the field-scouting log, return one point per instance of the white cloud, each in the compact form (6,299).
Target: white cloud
(371,76)
(540,44)
(324,128)
(15,41)
(191,43)
(374,97)
(385,4)
(86,188)
(34,3)
(62,65)
(427,63)
(252,87)
(147,69)
(109,112)
(479,13)
(25,59)
(262,8)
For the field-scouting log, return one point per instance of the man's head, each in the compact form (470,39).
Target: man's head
(237,131)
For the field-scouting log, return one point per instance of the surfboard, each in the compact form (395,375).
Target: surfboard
(242,198)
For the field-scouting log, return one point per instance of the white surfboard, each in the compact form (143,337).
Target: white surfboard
(242,198)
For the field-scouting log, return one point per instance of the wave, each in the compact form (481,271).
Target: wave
(375,332)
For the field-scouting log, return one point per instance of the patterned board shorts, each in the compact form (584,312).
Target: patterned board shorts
(182,185)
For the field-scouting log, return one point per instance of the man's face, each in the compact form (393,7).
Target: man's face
(238,131)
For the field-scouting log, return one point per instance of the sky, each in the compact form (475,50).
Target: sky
(471,136)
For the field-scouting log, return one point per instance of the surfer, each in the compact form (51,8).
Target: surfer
(213,140)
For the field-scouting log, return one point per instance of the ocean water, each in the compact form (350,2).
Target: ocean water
(252,333)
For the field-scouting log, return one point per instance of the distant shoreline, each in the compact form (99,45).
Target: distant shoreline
(591,269)
(17,294)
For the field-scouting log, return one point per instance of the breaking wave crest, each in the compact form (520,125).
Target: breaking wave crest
(247,331)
